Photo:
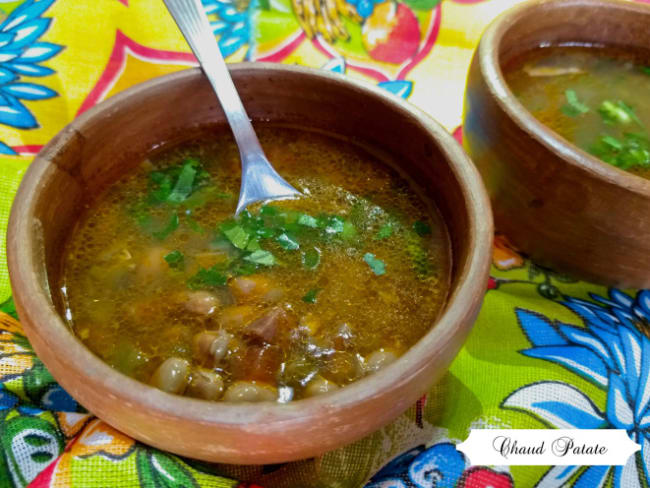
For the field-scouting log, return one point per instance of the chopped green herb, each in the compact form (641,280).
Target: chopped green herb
(175,184)
(203,195)
(235,234)
(307,221)
(634,150)
(183,186)
(268,211)
(349,230)
(421,228)
(240,268)
(262,257)
(287,242)
(646,69)
(171,226)
(253,245)
(384,232)
(175,259)
(162,187)
(311,258)
(617,112)
(208,278)
(376,265)
(9,307)
(310,296)
(612,142)
(265,232)
(573,107)
(334,225)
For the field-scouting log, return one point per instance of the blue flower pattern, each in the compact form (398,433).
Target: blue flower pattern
(399,88)
(231,25)
(612,351)
(440,466)
(21,54)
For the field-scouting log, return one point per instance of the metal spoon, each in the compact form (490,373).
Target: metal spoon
(259,180)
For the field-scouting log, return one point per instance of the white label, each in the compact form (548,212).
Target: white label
(544,447)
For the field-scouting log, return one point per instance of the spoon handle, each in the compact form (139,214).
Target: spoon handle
(194,25)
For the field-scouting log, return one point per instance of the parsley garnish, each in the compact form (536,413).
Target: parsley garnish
(376,265)
(208,278)
(175,184)
(183,187)
(307,221)
(286,242)
(633,150)
(573,107)
(175,259)
(384,232)
(262,257)
(310,296)
(617,112)
(235,233)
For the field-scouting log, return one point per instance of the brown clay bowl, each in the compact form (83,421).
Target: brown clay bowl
(562,206)
(108,140)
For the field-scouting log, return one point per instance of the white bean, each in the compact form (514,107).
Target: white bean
(201,302)
(249,391)
(379,359)
(205,384)
(171,376)
(211,346)
(320,385)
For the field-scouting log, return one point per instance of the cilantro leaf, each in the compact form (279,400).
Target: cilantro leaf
(175,184)
(349,230)
(384,232)
(286,242)
(262,257)
(310,296)
(208,278)
(617,112)
(574,106)
(311,258)
(171,226)
(253,245)
(422,228)
(334,225)
(376,265)
(237,236)
(175,259)
(268,211)
(307,221)
(183,187)
(633,151)
(612,142)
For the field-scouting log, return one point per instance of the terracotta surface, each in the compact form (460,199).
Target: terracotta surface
(109,139)
(563,207)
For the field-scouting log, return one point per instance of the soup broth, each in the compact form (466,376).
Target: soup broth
(596,98)
(292,299)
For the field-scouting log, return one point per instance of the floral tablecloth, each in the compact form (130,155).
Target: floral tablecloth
(546,352)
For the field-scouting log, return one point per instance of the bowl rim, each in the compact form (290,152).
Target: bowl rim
(488,57)
(34,301)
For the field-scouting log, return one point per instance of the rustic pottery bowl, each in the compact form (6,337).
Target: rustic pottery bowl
(562,206)
(109,139)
